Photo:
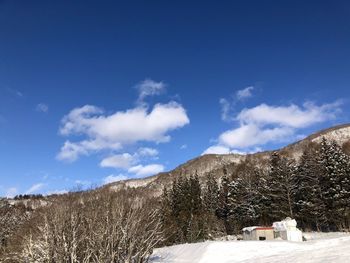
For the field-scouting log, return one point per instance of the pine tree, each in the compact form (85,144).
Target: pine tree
(213,226)
(244,198)
(166,217)
(210,194)
(196,221)
(334,183)
(264,198)
(281,187)
(223,209)
(309,206)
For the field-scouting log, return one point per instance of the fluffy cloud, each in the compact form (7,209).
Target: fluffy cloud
(289,116)
(34,188)
(146,170)
(42,107)
(265,123)
(244,93)
(217,149)
(251,135)
(122,128)
(147,152)
(114,178)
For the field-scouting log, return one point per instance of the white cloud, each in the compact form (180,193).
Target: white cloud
(217,149)
(291,116)
(114,178)
(123,161)
(227,105)
(146,151)
(146,170)
(126,160)
(42,107)
(183,147)
(11,192)
(264,123)
(225,109)
(15,92)
(149,87)
(34,188)
(112,132)
(71,151)
(244,93)
(251,135)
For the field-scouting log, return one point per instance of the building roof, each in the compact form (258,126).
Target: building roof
(251,228)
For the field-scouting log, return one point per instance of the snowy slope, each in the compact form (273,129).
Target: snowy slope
(214,163)
(321,250)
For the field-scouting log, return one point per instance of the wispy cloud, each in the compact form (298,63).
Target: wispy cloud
(228,105)
(42,107)
(114,178)
(244,93)
(82,183)
(15,92)
(148,88)
(34,188)
(183,147)
(225,109)
(11,192)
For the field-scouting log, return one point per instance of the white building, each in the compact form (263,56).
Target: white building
(287,230)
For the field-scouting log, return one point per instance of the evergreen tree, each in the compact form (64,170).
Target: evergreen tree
(210,194)
(166,217)
(281,188)
(334,183)
(243,198)
(213,226)
(223,209)
(309,206)
(196,221)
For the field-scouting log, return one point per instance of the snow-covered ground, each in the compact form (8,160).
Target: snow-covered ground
(321,248)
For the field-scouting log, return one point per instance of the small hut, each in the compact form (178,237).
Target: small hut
(258,233)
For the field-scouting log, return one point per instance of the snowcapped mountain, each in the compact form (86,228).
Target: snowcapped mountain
(215,163)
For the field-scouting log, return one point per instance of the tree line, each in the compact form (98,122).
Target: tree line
(315,190)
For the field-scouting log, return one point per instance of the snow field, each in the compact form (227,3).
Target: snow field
(330,249)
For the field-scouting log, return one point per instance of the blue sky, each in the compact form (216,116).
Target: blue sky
(96,91)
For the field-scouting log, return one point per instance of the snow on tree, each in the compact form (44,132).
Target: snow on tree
(309,206)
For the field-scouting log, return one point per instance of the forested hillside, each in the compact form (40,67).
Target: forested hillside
(125,224)
(315,190)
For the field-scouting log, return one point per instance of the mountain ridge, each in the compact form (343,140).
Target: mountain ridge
(213,163)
